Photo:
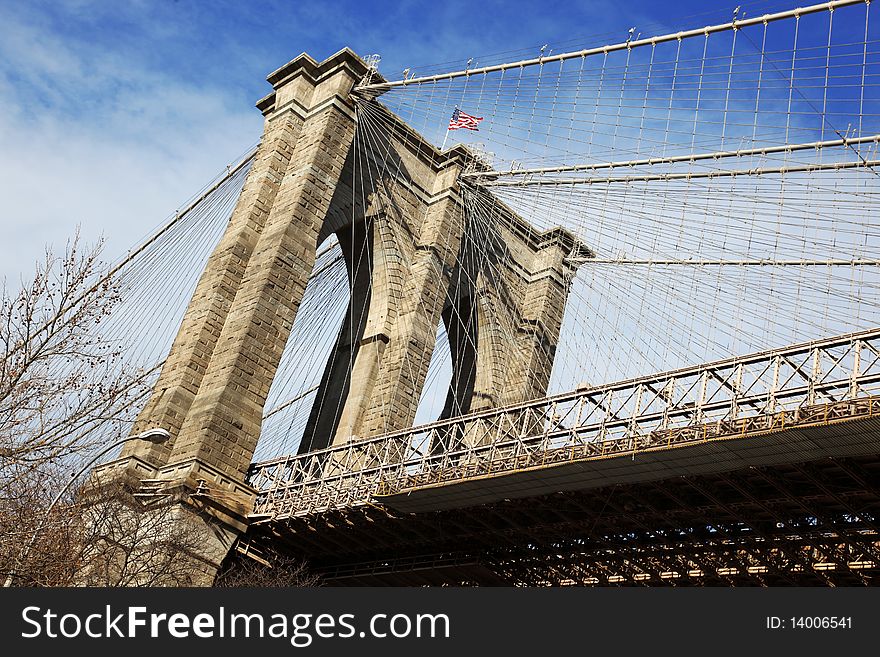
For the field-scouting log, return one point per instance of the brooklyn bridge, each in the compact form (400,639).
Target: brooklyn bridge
(606,316)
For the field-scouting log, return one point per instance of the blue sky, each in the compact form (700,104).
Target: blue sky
(114,113)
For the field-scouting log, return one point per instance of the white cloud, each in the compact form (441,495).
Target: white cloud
(86,138)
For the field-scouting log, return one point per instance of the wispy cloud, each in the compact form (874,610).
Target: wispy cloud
(88,137)
(114,113)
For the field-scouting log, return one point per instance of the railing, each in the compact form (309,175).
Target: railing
(820,381)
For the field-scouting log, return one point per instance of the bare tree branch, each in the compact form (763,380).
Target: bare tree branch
(64,388)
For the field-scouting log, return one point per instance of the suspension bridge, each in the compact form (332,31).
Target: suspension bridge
(622,330)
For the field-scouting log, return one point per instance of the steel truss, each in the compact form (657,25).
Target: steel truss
(792,524)
(821,382)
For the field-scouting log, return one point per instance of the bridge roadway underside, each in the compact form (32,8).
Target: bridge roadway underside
(810,523)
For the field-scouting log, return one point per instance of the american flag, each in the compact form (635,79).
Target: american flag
(461,120)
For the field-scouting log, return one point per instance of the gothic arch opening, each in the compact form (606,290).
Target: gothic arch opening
(296,384)
(438,380)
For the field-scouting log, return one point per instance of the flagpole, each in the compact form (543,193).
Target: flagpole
(444,140)
(448,126)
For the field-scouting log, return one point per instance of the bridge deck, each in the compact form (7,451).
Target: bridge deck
(830,430)
(810,523)
(758,470)
(719,411)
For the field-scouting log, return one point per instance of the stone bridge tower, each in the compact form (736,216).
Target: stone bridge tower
(410,264)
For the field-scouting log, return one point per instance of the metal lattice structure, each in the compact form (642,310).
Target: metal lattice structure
(756,470)
(821,383)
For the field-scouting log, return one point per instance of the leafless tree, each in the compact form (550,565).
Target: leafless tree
(25,516)
(63,388)
(107,537)
(64,391)
(129,541)
(280,570)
